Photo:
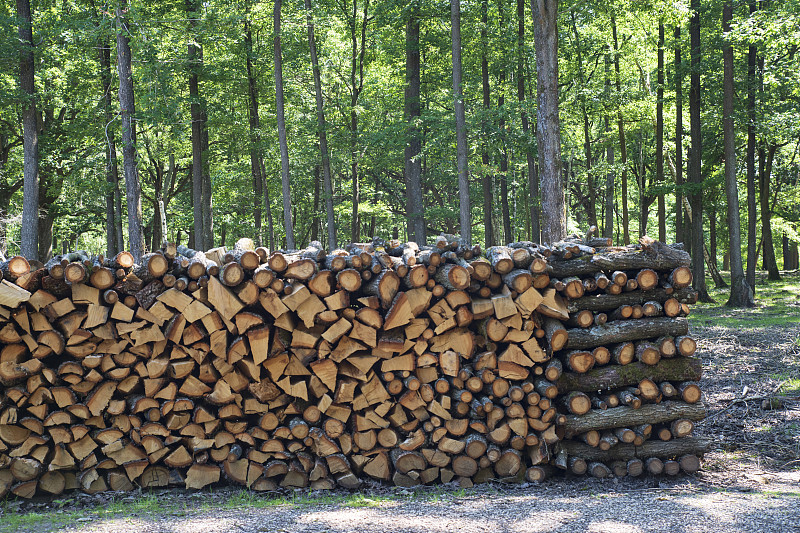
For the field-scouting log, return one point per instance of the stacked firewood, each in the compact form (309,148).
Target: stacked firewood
(388,361)
(629,356)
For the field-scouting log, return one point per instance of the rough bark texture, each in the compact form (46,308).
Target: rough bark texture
(766,157)
(626,330)
(30,194)
(628,416)
(662,210)
(679,229)
(623,149)
(615,376)
(461,126)
(533,176)
(608,222)
(198,114)
(548,129)
(415,209)
(486,177)
(752,216)
(741,295)
(651,448)
(284,146)
(127,110)
(112,174)
(255,124)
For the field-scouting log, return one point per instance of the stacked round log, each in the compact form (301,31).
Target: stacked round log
(629,351)
(391,361)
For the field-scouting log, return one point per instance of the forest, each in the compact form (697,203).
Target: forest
(340,120)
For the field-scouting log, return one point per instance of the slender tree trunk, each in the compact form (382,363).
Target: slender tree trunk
(608,223)
(461,125)
(533,181)
(752,215)
(45,230)
(591,209)
(765,177)
(255,137)
(316,221)
(623,149)
(696,155)
(267,206)
(712,233)
(508,233)
(662,208)
(415,207)
(112,174)
(322,128)
(208,213)
(680,234)
(356,86)
(30,136)
(548,129)
(486,178)
(133,190)
(284,147)
(741,295)
(198,114)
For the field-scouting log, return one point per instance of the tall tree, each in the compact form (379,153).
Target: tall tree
(695,159)
(548,129)
(608,223)
(766,158)
(533,176)
(662,209)
(508,233)
(322,127)
(358,50)
(284,146)
(127,111)
(752,216)
(415,208)
(461,125)
(623,148)
(680,234)
(255,134)
(486,175)
(591,198)
(114,242)
(30,143)
(741,295)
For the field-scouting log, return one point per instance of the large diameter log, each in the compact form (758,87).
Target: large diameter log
(615,376)
(626,452)
(627,416)
(453,277)
(626,330)
(609,302)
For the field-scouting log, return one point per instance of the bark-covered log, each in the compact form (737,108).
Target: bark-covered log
(616,376)
(608,302)
(625,416)
(625,330)
(651,448)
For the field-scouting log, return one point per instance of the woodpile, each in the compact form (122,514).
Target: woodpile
(390,361)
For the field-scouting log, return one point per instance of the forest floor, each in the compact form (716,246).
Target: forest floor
(750,481)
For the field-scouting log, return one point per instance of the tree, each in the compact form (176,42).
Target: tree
(623,148)
(533,175)
(465,222)
(752,216)
(127,111)
(548,132)
(741,295)
(284,146)
(322,127)
(30,206)
(415,208)
(662,209)
(680,233)
(486,175)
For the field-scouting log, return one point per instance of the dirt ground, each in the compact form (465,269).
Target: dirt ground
(750,481)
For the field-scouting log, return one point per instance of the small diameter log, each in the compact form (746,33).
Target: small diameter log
(626,416)
(518,280)
(693,446)
(680,278)
(616,376)
(608,302)
(579,361)
(500,258)
(686,346)
(557,336)
(577,403)
(626,330)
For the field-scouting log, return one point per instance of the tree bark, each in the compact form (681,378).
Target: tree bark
(651,448)
(195,60)
(508,233)
(696,156)
(255,135)
(112,174)
(548,130)
(608,222)
(486,178)
(626,330)
(30,195)
(590,205)
(133,189)
(623,149)
(533,175)
(680,234)
(356,86)
(741,295)
(284,147)
(752,215)
(765,175)
(628,416)
(461,126)
(662,209)
(322,128)
(616,376)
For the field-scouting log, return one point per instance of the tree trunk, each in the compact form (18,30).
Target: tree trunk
(741,296)
(765,175)
(284,147)
(623,150)
(695,158)
(662,209)
(461,126)
(255,136)
(133,190)
(486,178)
(356,86)
(267,206)
(112,174)
(590,206)
(548,130)
(712,233)
(322,128)
(195,58)
(30,196)
(680,233)
(533,176)
(315,223)
(413,165)
(508,233)
(608,223)
(752,215)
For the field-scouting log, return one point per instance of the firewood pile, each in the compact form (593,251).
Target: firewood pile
(384,361)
